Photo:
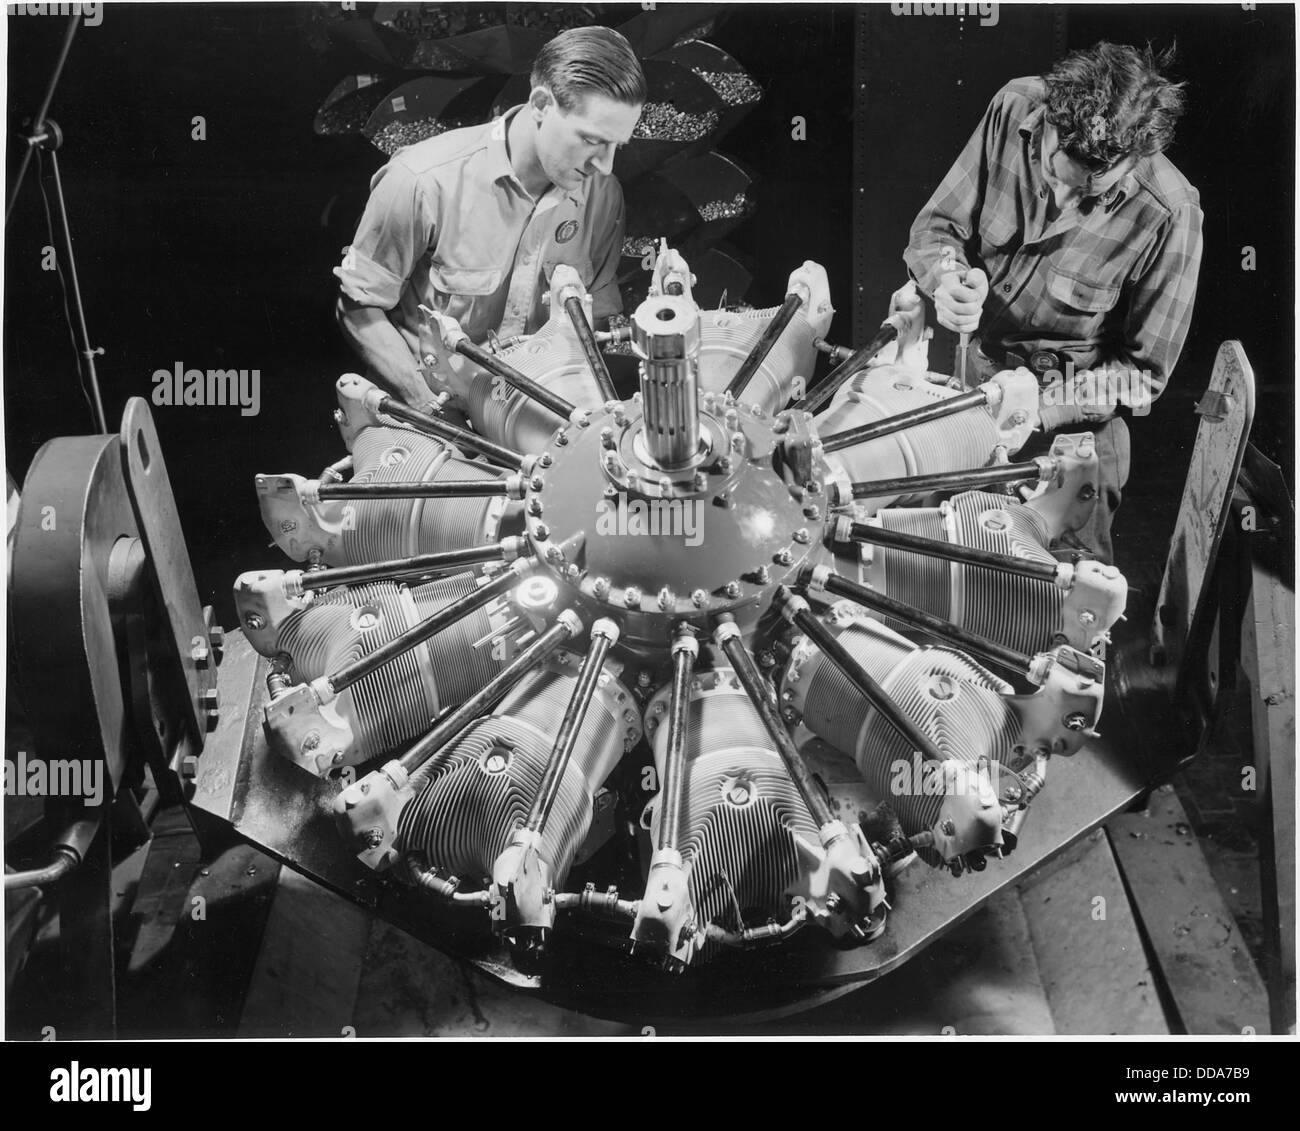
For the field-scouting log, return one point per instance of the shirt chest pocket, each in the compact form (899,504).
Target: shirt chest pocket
(1076,290)
(457,289)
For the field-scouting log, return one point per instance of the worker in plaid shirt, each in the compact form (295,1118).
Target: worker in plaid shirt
(1066,241)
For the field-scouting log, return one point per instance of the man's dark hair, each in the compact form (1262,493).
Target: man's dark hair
(589,60)
(1110,100)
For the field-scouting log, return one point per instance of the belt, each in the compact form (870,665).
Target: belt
(1043,363)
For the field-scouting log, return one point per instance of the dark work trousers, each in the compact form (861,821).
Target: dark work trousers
(1114,455)
(1113,458)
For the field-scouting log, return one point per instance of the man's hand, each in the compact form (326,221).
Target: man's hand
(388,360)
(957,305)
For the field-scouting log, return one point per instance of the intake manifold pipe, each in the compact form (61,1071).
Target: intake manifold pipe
(667,340)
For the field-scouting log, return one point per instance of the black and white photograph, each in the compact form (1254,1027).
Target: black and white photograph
(650,521)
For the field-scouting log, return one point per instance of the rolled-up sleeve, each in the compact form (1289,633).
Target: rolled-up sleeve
(606,253)
(395,231)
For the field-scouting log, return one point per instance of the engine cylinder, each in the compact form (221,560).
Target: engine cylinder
(952,443)
(397,701)
(1021,612)
(747,834)
(472,797)
(956,703)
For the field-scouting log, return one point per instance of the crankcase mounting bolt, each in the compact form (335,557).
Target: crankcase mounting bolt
(948,828)
(732,589)
(1087,617)
(632,597)
(601,587)
(1075,721)
(699,598)
(254,622)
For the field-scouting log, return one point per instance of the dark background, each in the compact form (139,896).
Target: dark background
(218,253)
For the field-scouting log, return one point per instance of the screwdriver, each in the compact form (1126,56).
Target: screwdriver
(958,381)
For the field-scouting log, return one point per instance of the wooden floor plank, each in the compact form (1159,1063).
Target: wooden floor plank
(1202,956)
(1087,945)
(305,981)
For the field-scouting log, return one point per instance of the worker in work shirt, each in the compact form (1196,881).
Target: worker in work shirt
(1064,240)
(472,223)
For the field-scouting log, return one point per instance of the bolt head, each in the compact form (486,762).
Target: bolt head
(733,589)
(1075,721)
(632,596)
(948,828)
(699,598)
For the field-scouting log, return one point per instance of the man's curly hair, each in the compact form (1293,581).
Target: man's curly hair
(1111,100)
